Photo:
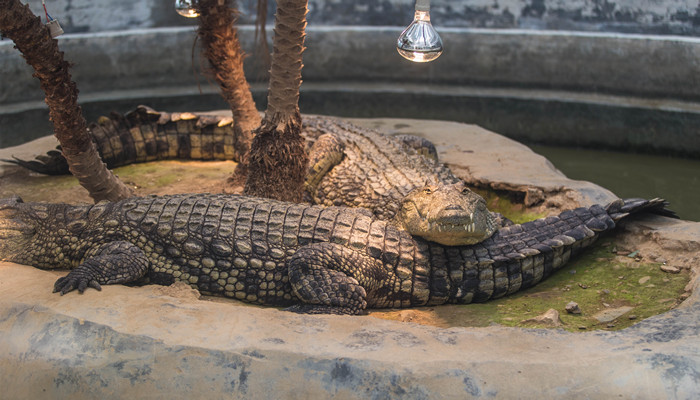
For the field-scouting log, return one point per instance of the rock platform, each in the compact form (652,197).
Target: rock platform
(164,342)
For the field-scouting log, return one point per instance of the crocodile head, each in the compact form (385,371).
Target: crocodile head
(451,215)
(16,231)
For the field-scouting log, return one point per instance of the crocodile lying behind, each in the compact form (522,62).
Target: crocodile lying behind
(349,165)
(312,258)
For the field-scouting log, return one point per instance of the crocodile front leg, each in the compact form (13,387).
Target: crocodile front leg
(111,263)
(326,153)
(333,279)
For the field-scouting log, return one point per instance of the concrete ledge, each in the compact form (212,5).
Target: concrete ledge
(126,342)
(162,342)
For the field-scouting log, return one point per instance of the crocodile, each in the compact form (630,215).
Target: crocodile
(311,259)
(349,165)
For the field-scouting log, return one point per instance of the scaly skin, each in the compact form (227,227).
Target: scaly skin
(312,258)
(349,166)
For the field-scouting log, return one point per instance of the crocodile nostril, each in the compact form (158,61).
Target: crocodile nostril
(453,207)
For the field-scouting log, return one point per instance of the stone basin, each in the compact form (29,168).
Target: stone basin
(164,342)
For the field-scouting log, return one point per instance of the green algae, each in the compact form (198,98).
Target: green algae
(162,177)
(506,205)
(598,280)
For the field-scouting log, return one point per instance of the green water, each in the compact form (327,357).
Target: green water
(633,175)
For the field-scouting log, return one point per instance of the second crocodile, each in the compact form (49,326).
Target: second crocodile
(349,165)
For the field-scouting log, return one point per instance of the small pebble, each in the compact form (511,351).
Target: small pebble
(670,269)
(610,325)
(582,286)
(583,328)
(632,317)
(644,279)
(661,260)
(605,291)
(573,308)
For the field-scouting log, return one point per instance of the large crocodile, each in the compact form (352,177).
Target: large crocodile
(349,165)
(315,259)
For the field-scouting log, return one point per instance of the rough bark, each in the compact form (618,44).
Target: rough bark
(222,48)
(278,161)
(32,39)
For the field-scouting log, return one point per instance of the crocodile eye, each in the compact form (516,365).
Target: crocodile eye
(427,191)
(465,191)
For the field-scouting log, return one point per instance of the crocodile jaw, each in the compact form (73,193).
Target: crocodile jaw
(449,215)
(460,229)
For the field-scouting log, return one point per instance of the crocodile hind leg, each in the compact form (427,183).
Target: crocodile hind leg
(111,263)
(332,279)
(422,146)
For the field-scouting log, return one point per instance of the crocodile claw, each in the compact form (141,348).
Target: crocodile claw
(69,283)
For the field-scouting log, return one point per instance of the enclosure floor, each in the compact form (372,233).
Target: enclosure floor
(127,341)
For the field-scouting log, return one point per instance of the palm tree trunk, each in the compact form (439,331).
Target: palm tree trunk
(278,161)
(222,49)
(32,39)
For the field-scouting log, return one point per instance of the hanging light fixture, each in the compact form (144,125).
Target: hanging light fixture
(187,8)
(420,42)
(52,24)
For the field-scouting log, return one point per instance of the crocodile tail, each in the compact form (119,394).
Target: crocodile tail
(620,209)
(145,135)
(51,163)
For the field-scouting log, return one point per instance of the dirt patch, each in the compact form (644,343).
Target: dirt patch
(162,177)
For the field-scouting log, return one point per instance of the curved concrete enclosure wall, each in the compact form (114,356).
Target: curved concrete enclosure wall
(635,92)
(589,85)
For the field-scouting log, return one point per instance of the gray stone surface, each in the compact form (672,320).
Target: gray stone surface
(162,342)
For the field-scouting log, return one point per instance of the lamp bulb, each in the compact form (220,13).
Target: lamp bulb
(187,8)
(420,42)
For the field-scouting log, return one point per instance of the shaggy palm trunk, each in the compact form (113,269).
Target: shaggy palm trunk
(222,49)
(32,39)
(278,161)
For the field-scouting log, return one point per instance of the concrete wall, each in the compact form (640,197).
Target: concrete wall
(587,87)
(678,17)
